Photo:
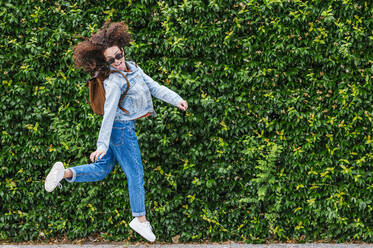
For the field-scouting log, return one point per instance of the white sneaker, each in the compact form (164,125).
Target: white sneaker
(54,177)
(143,228)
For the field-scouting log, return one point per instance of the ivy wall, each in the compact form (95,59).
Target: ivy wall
(276,144)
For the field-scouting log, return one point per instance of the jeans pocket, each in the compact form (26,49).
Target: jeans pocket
(117,136)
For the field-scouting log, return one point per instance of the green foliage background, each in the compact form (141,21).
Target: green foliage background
(276,144)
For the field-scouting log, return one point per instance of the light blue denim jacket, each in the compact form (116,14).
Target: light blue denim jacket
(137,102)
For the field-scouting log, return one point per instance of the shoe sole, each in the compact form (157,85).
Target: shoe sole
(133,228)
(57,164)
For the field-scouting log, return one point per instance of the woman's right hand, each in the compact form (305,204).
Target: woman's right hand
(96,155)
(183,105)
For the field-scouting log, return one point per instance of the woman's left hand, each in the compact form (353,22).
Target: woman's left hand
(183,105)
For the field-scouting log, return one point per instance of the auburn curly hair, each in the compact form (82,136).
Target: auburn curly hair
(89,54)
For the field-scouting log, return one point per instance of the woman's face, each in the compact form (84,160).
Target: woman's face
(111,56)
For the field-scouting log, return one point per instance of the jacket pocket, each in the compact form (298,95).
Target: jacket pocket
(134,80)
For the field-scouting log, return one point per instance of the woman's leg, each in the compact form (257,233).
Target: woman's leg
(83,173)
(127,153)
(96,171)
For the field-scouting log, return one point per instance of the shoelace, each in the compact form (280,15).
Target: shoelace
(55,173)
(149,226)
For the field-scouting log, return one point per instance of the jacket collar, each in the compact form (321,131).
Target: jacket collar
(130,65)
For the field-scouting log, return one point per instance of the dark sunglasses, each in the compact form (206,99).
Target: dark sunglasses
(118,57)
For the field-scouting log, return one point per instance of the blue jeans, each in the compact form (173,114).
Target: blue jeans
(123,148)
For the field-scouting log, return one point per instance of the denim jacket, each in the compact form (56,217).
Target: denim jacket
(137,102)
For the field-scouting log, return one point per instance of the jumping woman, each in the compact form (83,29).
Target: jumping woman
(117,141)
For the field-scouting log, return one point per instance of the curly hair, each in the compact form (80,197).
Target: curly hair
(89,54)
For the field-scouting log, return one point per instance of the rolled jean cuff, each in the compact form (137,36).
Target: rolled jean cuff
(74,176)
(138,214)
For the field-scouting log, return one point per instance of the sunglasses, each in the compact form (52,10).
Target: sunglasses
(118,57)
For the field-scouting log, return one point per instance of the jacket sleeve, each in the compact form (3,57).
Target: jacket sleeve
(112,95)
(160,91)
